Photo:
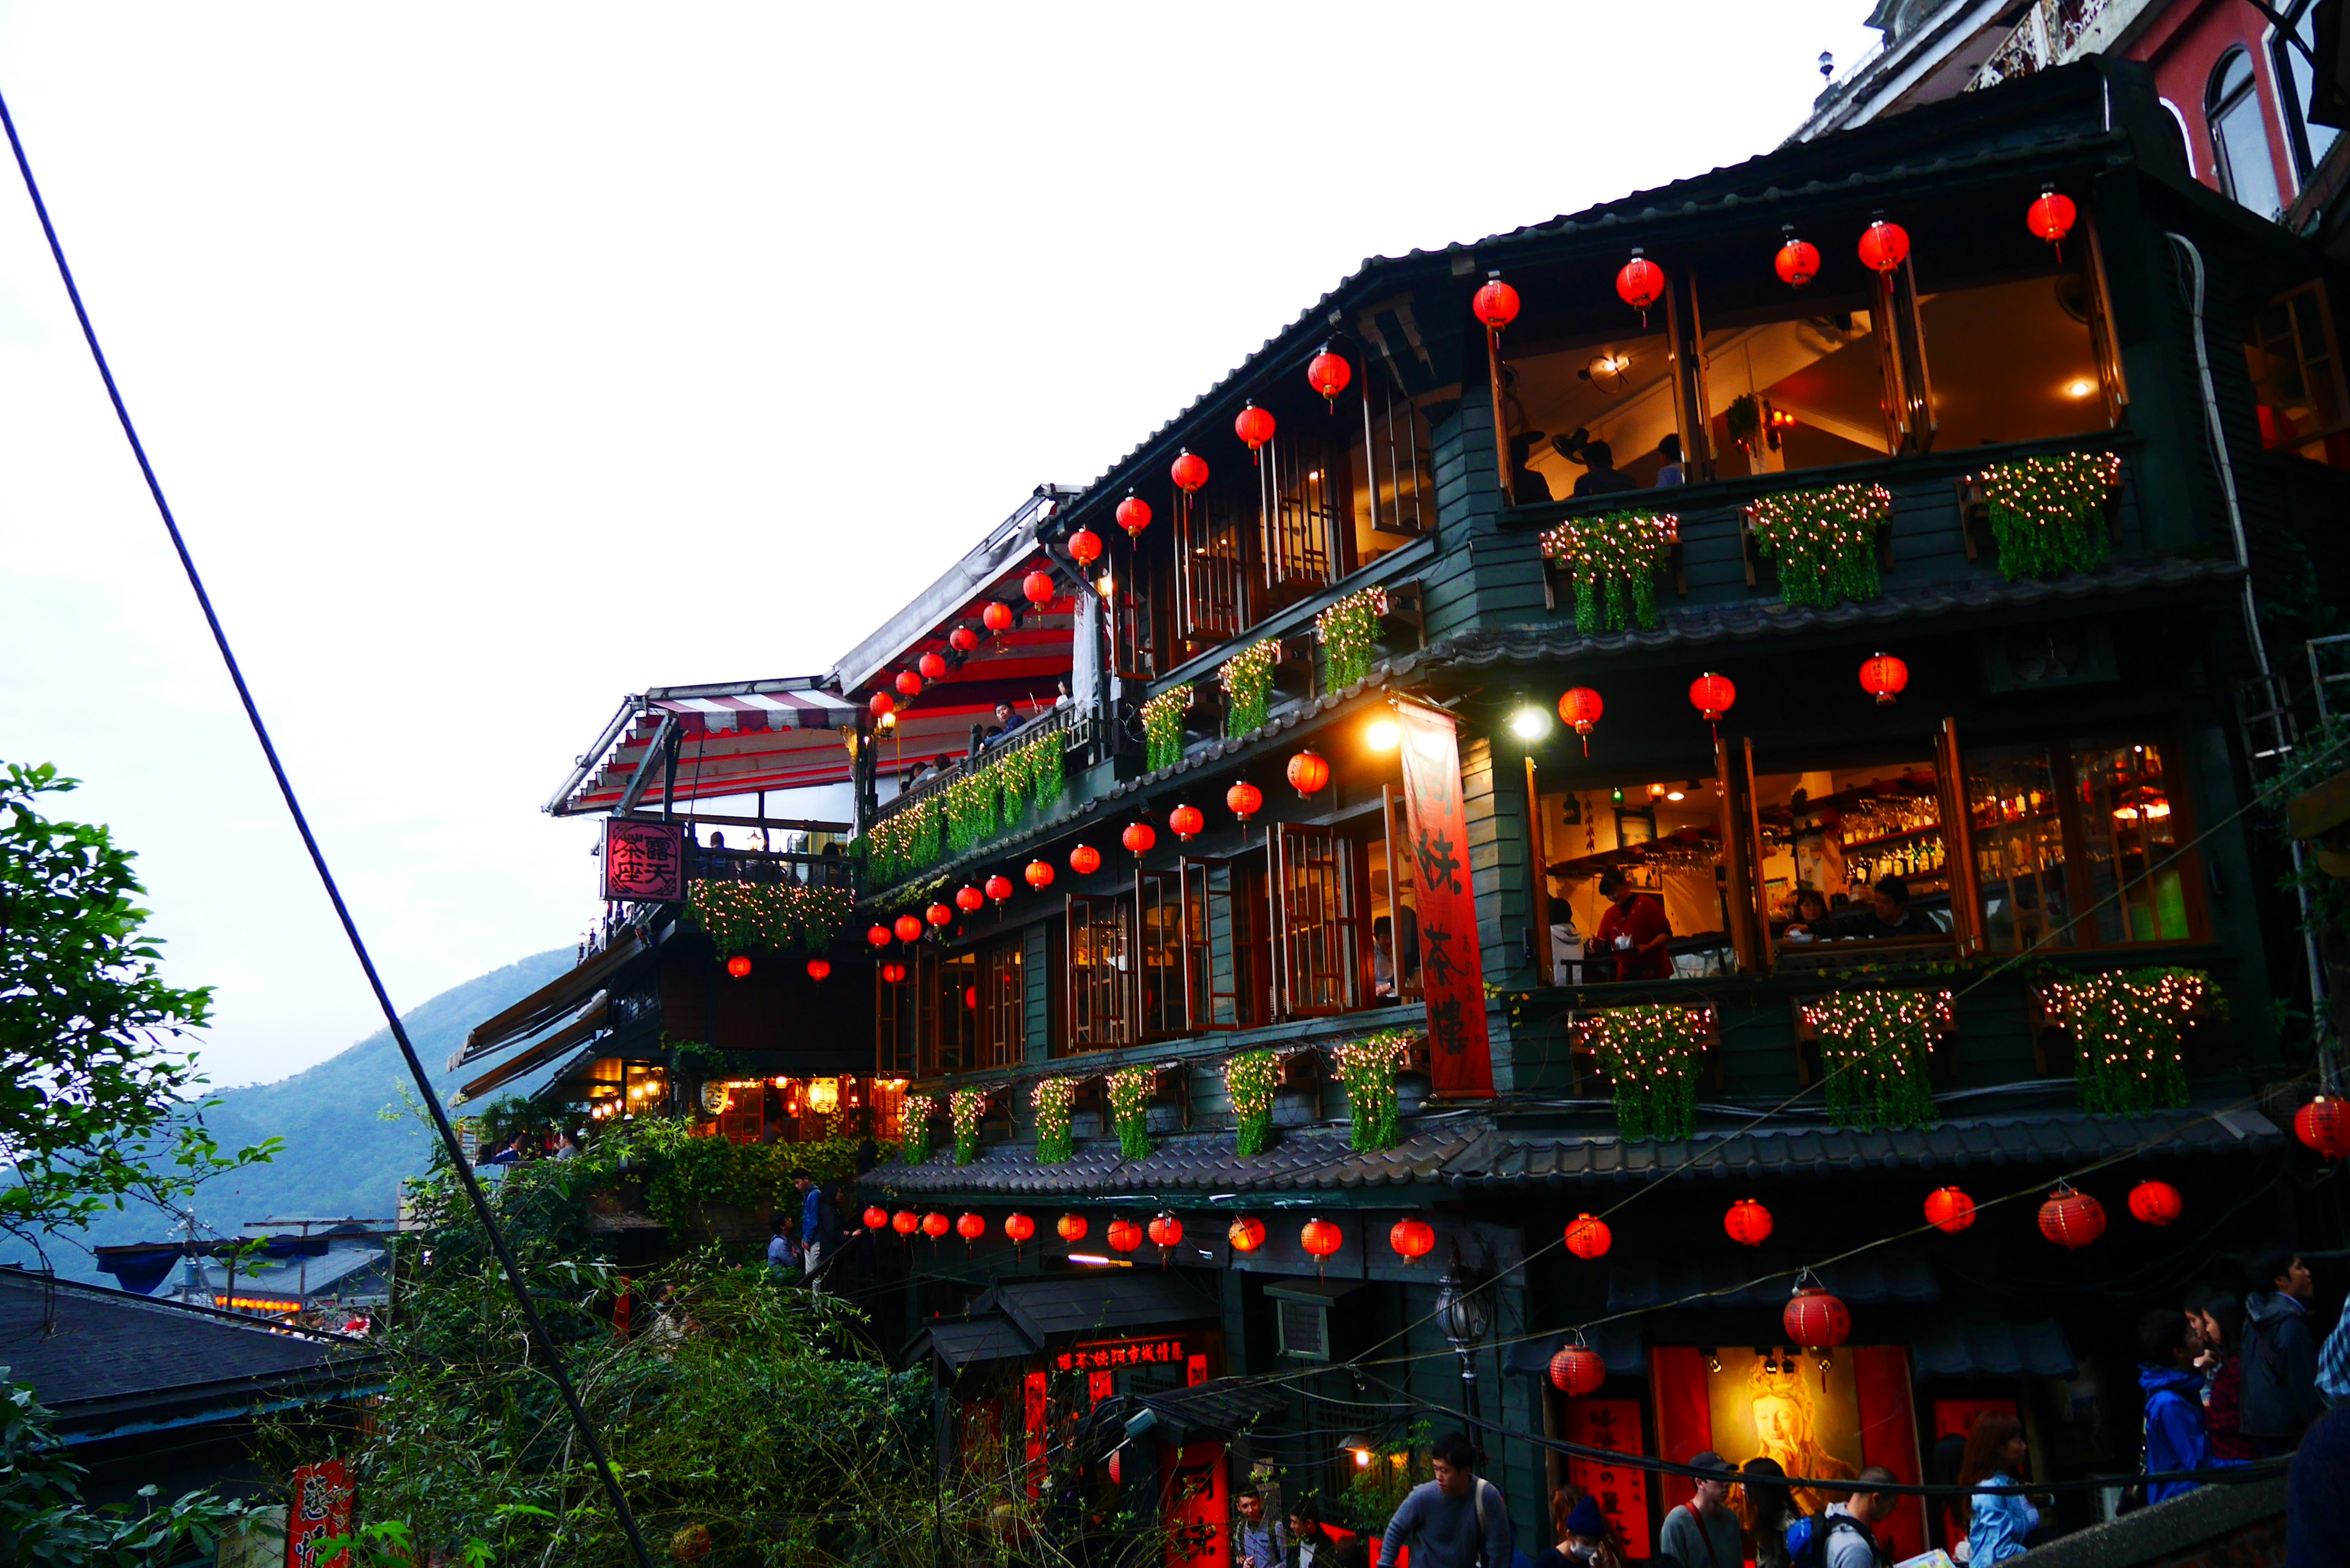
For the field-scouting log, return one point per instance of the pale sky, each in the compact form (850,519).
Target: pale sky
(501,359)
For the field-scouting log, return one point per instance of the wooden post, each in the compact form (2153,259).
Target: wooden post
(1537,879)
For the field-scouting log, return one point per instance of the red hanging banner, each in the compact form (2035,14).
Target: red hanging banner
(1197,1514)
(1452,966)
(1621,1491)
(318,1509)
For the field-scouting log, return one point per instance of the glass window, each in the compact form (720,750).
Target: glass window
(1852,855)
(2129,832)
(2011,360)
(1100,991)
(2019,842)
(2240,135)
(2297,378)
(1790,393)
(2064,842)
(1590,416)
(2309,140)
(1664,837)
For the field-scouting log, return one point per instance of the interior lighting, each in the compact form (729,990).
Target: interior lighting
(1675,795)
(2079,387)
(824,1095)
(1383,735)
(886,722)
(1529,722)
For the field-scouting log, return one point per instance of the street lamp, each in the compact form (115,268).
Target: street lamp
(1465,1313)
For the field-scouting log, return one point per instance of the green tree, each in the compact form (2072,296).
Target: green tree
(44,1522)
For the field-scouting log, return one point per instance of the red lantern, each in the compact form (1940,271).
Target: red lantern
(1712,695)
(908,928)
(999,888)
(738,966)
(1019,1228)
(1189,472)
(1411,1238)
(1166,1231)
(1246,1235)
(996,617)
(1587,1237)
(908,683)
(876,1217)
(1883,245)
(1328,374)
(1039,874)
(971,997)
(1496,304)
(935,1225)
(1884,677)
(1816,1320)
(1798,262)
(1039,589)
(1577,1370)
(2051,217)
(893,974)
(904,1222)
(1320,1238)
(1948,1209)
(1308,772)
(1748,1223)
(1186,822)
(1085,860)
(963,640)
(1581,708)
(939,915)
(1139,837)
(817,969)
(968,898)
(1125,1235)
(2323,1124)
(881,704)
(1133,514)
(1640,284)
(1254,426)
(1085,547)
(932,667)
(1244,798)
(970,1227)
(879,936)
(1070,1227)
(2156,1202)
(2072,1220)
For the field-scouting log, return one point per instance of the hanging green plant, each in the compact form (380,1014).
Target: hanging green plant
(2048,514)
(1055,1100)
(1250,1081)
(1163,727)
(1825,541)
(904,842)
(782,917)
(1130,1089)
(1875,1054)
(1743,419)
(1651,1055)
(1368,1067)
(969,809)
(914,1113)
(1347,628)
(1036,775)
(964,1108)
(2129,1029)
(1612,560)
(1247,677)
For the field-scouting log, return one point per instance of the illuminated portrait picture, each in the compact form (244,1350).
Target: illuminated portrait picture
(1777,1405)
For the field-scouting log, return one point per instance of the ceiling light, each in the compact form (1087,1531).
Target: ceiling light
(1383,735)
(2079,387)
(1529,722)
(1673,795)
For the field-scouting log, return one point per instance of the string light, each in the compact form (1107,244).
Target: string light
(785,917)
(914,1113)
(1163,727)
(1056,1102)
(1130,1089)
(1347,628)
(2127,1027)
(1247,679)
(964,1108)
(1368,1067)
(1612,560)
(1651,1055)
(1874,1049)
(2046,512)
(1824,540)
(1251,1080)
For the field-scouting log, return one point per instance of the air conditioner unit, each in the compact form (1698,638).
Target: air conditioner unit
(1301,1313)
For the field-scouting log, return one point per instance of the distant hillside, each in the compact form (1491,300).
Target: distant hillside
(341,1155)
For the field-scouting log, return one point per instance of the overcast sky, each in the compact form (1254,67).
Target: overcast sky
(501,359)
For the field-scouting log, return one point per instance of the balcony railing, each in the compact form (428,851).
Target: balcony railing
(772,868)
(2053,33)
(1077,729)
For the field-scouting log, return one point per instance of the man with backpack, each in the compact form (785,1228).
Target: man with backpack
(1457,1521)
(2174,1403)
(1702,1532)
(2279,1354)
(1845,1535)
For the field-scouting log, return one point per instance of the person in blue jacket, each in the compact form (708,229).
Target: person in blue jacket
(2174,1402)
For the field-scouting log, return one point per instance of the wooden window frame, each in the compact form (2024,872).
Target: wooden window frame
(894,1056)
(1322,962)
(1100,1014)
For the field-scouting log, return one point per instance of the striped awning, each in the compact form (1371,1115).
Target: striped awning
(586,1025)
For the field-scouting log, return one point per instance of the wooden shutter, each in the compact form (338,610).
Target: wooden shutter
(1135,610)
(1958,840)
(1003,1005)
(1161,988)
(1403,918)
(1210,991)
(924,975)
(1318,928)
(1211,570)
(1306,511)
(1101,982)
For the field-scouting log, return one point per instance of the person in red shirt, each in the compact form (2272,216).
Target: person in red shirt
(1634,929)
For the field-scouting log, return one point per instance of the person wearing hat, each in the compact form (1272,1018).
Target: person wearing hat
(1702,1532)
(1584,1538)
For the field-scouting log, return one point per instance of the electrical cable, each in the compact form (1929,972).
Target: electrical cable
(448,1135)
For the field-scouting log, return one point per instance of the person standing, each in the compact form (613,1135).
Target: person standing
(1702,1532)
(1582,1530)
(1457,1521)
(1849,1529)
(1670,468)
(820,1227)
(2174,1403)
(2279,1353)
(1311,1544)
(1634,929)
(2216,1319)
(2000,1520)
(1770,1508)
(1257,1539)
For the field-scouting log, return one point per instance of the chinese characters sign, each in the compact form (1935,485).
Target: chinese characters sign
(1199,1509)
(1108,1354)
(1452,966)
(1621,1491)
(320,1507)
(644,862)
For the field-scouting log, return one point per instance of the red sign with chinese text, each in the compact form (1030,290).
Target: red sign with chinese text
(1199,1506)
(1108,1354)
(644,862)
(1621,1491)
(318,1509)
(1451,965)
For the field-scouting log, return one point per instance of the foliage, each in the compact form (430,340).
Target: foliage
(979,800)
(1874,1051)
(784,916)
(964,1108)
(1825,541)
(43,1519)
(1368,1067)
(1163,727)
(1247,677)
(1743,419)
(1375,1490)
(1251,1079)
(1612,560)
(2128,1026)
(1130,1089)
(2048,514)
(1651,1055)
(95,1106)
(902,843)
(1347,628)
(681,1174)
(1055,1100)
(914,1113)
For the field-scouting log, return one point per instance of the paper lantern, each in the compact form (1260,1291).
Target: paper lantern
(1496,304)
(1816,1320)
(996,617)
(908,928)
(1797,263)
(1133,514)
(1244,798)
(1038,588)
(879,936)
(2323,1124)
(817,969)
(1070,1227)
(1139,837)
(1641,283)
(1581,708)
(2072,1220)
(969,899)
(1577,1370)
(2051,216)
(1328,374)
(909,684)
(999,888)
(935,1225)
(1085,547)
(1166,1231)
(1246,1235)
(1321,1238)
(2156,1202)
(970,1227)
(881,704)
(1884,677)
(904,1222)
(876,1217)
(1190,470)
(1712,695)
(1883,247)
(932,666)
(1085,860)
(1411,1238)
(1185,822)
(1587,1237)
(971,998)
(1948,1209)
(939,915)
(1039,874)
(738,966)
(1748,1223)
(893,974)
(1308,772)
(1125,1235)
(963,640)
(1018,1228)
(1254,426)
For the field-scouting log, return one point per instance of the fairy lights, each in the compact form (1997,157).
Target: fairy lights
(1163,727)
(1055,1100)
(1130,1089)
(785,917)
(2127,1027)
(902,843)
(2046,514)
(1612,560)
(1874,1050)
(1368,1067)
(914,1113)
(1651,1055)
(1247,679)
(1251,1079)
(1825,541)
(1347,628)
(964,1108)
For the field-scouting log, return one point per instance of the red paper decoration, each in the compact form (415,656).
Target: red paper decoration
(1748,1223)
(1328,374)
(1166,1231)
(1884,677)
(935,1225)
(1496,304)
(1640,284)
(738,966)
(879,936)
(1246,1235)
(817,969)
(1018,1228)
(2323,1124)
(881,704)
(999,888)
(1581,708)
(2156,1202)
(1070,1227)
(1139,837)
(932,666)
(969,899)
(1411,1238)
(1816,1320)
(1587,1237)
(1712,695)
(1320,1238)
(1189,472)
(876,1217)
(1308,772)
(1948,1209)
(1133,514)
(1797,263)
(939,915)
(1244,798)
(1085,547)
(1577,1370)
(971,998)
(893,974)
(963,640)
(904,1222)
(1254,426)
(1039,589)
(1039,874)
(1085,860)
(909,684)
(970,1227)
(1125,1235)
(2051,217)
(1185,821)
(996,617)
(1883,245)
(908,928)
(2072,1220)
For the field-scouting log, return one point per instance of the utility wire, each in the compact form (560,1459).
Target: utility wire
(448,1134)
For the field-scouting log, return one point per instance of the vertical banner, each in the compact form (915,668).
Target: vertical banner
(318,1509)
(1622,1492)
(1198,1508)
(1888,1436)
(1452,966)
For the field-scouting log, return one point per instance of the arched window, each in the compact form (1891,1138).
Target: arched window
(2240,135)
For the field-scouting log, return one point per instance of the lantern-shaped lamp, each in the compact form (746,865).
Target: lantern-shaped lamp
(2051,216)
(1085,547)
(2155,1203)
(999,888)
(970,1227)
(1581,708)
(932,666)
(2072,1220)
(739,966)
(1320,1237)
(1085,860)
(1883,247)
(1411,1237)
(881,704)
(1246,1235)
(1748,1223)
(876,1217)
(1712,695)
(893,974)
(1139,837)
(1884,677)
(1577,1369)
(1253,426)
(935,1225)
(908,683)
(1641,283)
(1185,822)
(817,969)
(996,617)
(1125,1235)
(1039,874)
(969,899)
(1496,304)
(1166,1231)
(1038,588)
(1587,1237)
(1798,261)
(1133,514)
(1308,772)
(939,915)
(1816,1319)
(963,640)
(908,928)
(1244,798)
(2323,1124)
(904,1222)
(877,935)
(1948,1209)
(1070,1227)
(1189,472)
(1328,374)
(1017,1228)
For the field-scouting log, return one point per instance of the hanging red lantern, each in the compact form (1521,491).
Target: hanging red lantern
(1039,589)
(1133,514)
(1577,1370)
(1948,1209)
(1308,772)
(908,683)
(881,704)
(2155,1203)
(908,928)
(1254,426)
(1320,1238)
(2323,1124)
(1085,547)
(1748,1223)
(996,617)
(1185,822)
(893,974)
(1166,1231)
(999,888)
(1581,708)
(1587,1237)
(1883,247)
(933,668)
(817,969)
(738,966)
(1816,1319)
(876,1217)
(1884,677)
(2051,217)
(1018,1228)
(1139,837)
(935,1225)
(1640,284)
(1328,374)
(1246,1235)
(1496,304)
(963,640)
(1125,1235)
(2072,1220)
(1085,860)
(969,899)
(1798,261)
(1411,1238)
(970,1227)
(1190,470)
(1039,874)
(879,936)
(939,915)
(1070,1227)
(905,1221)
(1244,798)
(1712,695)
(971,998)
